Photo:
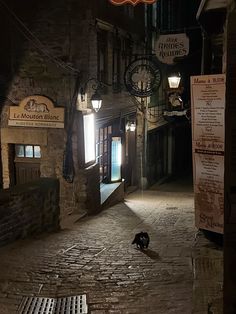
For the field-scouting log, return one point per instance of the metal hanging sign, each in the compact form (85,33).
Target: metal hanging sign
(142,77)
(133,2)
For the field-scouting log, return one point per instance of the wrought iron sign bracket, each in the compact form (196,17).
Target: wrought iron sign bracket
(142,77)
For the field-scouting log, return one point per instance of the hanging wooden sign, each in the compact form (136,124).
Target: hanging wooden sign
(170,46)
(38,112)
(133,2)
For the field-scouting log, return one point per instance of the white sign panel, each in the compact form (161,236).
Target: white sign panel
(208,116)
(171,46)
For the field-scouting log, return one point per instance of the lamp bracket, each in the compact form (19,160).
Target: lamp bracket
(97,85)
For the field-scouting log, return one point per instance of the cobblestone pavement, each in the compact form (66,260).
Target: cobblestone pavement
(94,256)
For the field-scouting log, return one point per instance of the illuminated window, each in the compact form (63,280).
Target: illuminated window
(89,138)
(108,154)
(103,139)
(116,159)
(20,152)
(37,152)
(27,151)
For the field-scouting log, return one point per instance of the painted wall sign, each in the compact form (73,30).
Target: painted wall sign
(133,2)
(171,46)
(208,137)
(36,111)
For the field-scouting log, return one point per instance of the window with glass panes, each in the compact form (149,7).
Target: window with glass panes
(27,151)
(116,60)
(103,153)
(102,56)
(127,50)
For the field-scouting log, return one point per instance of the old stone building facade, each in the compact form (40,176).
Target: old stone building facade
(56,50)
(219,57)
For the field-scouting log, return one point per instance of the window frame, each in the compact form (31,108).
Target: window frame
(91,161)
(116,60)
(103,152)
(102,56)
(24,148)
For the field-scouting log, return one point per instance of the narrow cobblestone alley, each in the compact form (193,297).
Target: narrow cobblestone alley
(94,256)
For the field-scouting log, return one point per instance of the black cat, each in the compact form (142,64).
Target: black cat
(142,240)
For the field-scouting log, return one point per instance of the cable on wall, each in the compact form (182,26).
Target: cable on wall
(30,36)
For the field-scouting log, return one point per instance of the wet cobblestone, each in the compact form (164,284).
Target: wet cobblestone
(94,256)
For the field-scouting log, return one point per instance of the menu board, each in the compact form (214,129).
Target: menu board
(208,137)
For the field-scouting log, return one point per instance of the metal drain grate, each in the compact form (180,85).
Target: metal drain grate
(68,305)
(71,305)
(33,305)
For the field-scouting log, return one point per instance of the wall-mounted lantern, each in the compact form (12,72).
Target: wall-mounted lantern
(176,109)
(96,99)
(131,126)
(174,80)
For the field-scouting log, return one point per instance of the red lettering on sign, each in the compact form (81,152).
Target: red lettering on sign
(133,2)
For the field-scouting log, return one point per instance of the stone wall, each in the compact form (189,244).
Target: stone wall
(92,188)
(141,174)
(230,166)
(207,262)
(29,209)
(45,65)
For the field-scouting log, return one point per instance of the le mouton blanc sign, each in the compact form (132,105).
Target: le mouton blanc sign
(168,47)
(38,112)
(133,2)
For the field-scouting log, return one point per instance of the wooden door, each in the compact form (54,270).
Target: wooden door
(27,163)
(27,171)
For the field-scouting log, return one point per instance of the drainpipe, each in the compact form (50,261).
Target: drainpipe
(170,152)
(143,152)
(206,53)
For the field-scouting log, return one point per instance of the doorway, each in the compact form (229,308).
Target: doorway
(157,151)
(27,163)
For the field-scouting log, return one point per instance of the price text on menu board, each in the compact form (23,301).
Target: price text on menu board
(208,137)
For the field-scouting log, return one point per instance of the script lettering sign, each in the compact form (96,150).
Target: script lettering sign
(168,47)
(36,111)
